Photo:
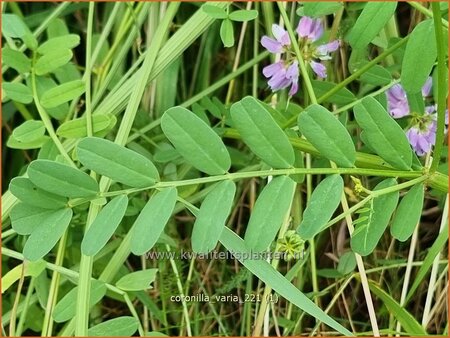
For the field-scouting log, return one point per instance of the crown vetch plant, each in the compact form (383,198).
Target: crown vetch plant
(297,151)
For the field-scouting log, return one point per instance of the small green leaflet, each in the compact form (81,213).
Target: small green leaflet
(117,327)
(62,93)
(212,216)
(137,281)
(261,133)
(16,60)
(243,15)
(61,179)
(16,144)
(29,131)
(409,323)
(53,60)
(377,76)
(104,225)
(18,92)
(408,213)
(45,237)
(317,9)
(370,22)
(77,128)
(267,274)
(66,307)
(267,216)
(14,27)
(420,50)
(323,203)
(116,162)
(368,232)
(195,141)
(26,218)
(214,11)
(227,33)
(30,194)
(347,263)
(383,134)
(68,41)
(152,219)
(324,131)
(341,97)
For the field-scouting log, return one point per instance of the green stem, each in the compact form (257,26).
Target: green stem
(301,63)
(441,87)
(88,71)
(427,12)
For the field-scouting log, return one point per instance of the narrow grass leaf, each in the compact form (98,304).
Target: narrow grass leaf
(212,216)
(62,93)
(77,128)
(29,131)
(267,216)
(420,50)
(116,162)
(271,277)
(261,133)
(27,192)
(65,309)
(383,134)
(16,60)
(61,179)
(117,327)
(408,213)
(18,92)
(53,60)
(409,323)
(67,41)
(195,141)
(104,225)
(323,203)
(367,234)
(370,22)
(324,131)
(151,220)
(137,281)
(45,237)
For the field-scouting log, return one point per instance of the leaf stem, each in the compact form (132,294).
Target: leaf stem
(441,86)
(88,70)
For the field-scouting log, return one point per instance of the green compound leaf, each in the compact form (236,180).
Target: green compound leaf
(53,60)
(18,92)
(227,33)
(195,141)
(26,218)
(62,93)
(367,233)
(29,131)
(137,281)
(370,22)
(16,60)
(117,327)
(317,9)
(327,135)
(151,221)
(212,216)
(116,162)
(77,128)
(271,277)
(261,133)
(66,307)
(47,234)
(420,56)
(408,213)
(383,134)
(267,216)
(323,203)
(214,11)
(59,43)
(61,179)
(243,15)
(104,225)
(27,192)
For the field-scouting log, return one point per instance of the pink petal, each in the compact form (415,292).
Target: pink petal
(426,89)
(271,45)
(319,69)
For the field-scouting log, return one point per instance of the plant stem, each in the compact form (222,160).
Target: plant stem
(441,86)
(88,70)
(426,11)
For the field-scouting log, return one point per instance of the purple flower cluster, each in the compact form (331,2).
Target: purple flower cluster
(285,73)
(421,132)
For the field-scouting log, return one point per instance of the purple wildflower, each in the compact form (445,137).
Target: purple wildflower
(279,43)
(282,75)
(422,139)
(310,28)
